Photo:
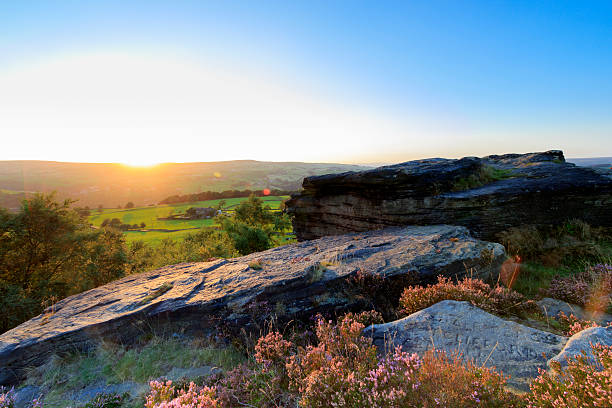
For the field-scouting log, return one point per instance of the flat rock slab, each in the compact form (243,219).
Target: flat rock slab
(487,195)
(295,280)
(515,350)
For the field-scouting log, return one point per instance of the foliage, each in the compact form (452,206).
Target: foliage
(7,398)
(486,174)
(105,400)
(498,300)
(565,244)
(159,226)
(591,288)
(343,370)
(572,325)
(583,383)
(254,227)
(163,395)
(215,195)
(47,252)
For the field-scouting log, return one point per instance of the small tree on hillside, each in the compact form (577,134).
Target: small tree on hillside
(129,205)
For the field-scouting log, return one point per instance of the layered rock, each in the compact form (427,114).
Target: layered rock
(514,349)
(487,195)
(294,281)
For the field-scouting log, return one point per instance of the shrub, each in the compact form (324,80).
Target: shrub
(583,383)
(591,288)
(7,398)
(572,325)
(164,395)
(556,245)
(105,400)
(499,300)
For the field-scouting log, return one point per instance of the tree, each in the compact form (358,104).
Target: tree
(254,227)
(47,251)
(142,225)
(129,205)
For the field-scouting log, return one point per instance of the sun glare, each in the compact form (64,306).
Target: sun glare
(140,163)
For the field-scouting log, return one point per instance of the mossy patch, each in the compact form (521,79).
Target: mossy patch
(165,287)
(487,174)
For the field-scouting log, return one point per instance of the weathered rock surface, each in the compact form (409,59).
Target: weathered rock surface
(295,281)
(487,195)
(552,307)
(453,326)
(582,341)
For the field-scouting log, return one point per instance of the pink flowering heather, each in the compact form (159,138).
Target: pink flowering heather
(272,349)
(580,384)
(572,325)
(163,395)
(591,288)
(499,300)
(7,398)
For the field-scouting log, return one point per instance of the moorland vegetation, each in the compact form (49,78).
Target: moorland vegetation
(48,249)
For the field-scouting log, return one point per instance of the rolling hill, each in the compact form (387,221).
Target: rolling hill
(113,184)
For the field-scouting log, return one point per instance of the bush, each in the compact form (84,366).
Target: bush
(499,300)
(583,383)
(163,395)
(591,288)
(47,252)
(7,398)
(569,243)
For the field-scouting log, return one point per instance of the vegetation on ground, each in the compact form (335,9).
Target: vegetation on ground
(497,300)
(157,226)
(48,251)
(486,174)
(115,364)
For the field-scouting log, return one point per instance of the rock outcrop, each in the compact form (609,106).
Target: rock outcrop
(486,195)
(293,281)
(580,343)
(514,349)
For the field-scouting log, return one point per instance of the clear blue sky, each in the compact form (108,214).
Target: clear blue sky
(309,80)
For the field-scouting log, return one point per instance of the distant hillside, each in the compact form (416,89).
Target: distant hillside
(592,161)
(112,184)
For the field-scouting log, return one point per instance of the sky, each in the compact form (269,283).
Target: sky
(143,82)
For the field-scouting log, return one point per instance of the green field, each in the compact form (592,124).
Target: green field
(156,230)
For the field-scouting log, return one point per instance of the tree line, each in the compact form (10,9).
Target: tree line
(218,195)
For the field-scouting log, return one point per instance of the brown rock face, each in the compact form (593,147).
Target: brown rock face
(292,282)
(486,195)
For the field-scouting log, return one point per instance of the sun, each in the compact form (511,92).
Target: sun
(140,163)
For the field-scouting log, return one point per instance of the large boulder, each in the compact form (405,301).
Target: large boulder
(581,342)
(293,281)
(514,349)
(487,195)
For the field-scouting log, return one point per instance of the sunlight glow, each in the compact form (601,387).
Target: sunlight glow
(141,110)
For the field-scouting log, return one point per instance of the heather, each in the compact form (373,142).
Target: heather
(341,368)
(497,300)
(591,288)
(583,383)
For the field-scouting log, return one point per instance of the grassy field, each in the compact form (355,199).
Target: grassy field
(156,230)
